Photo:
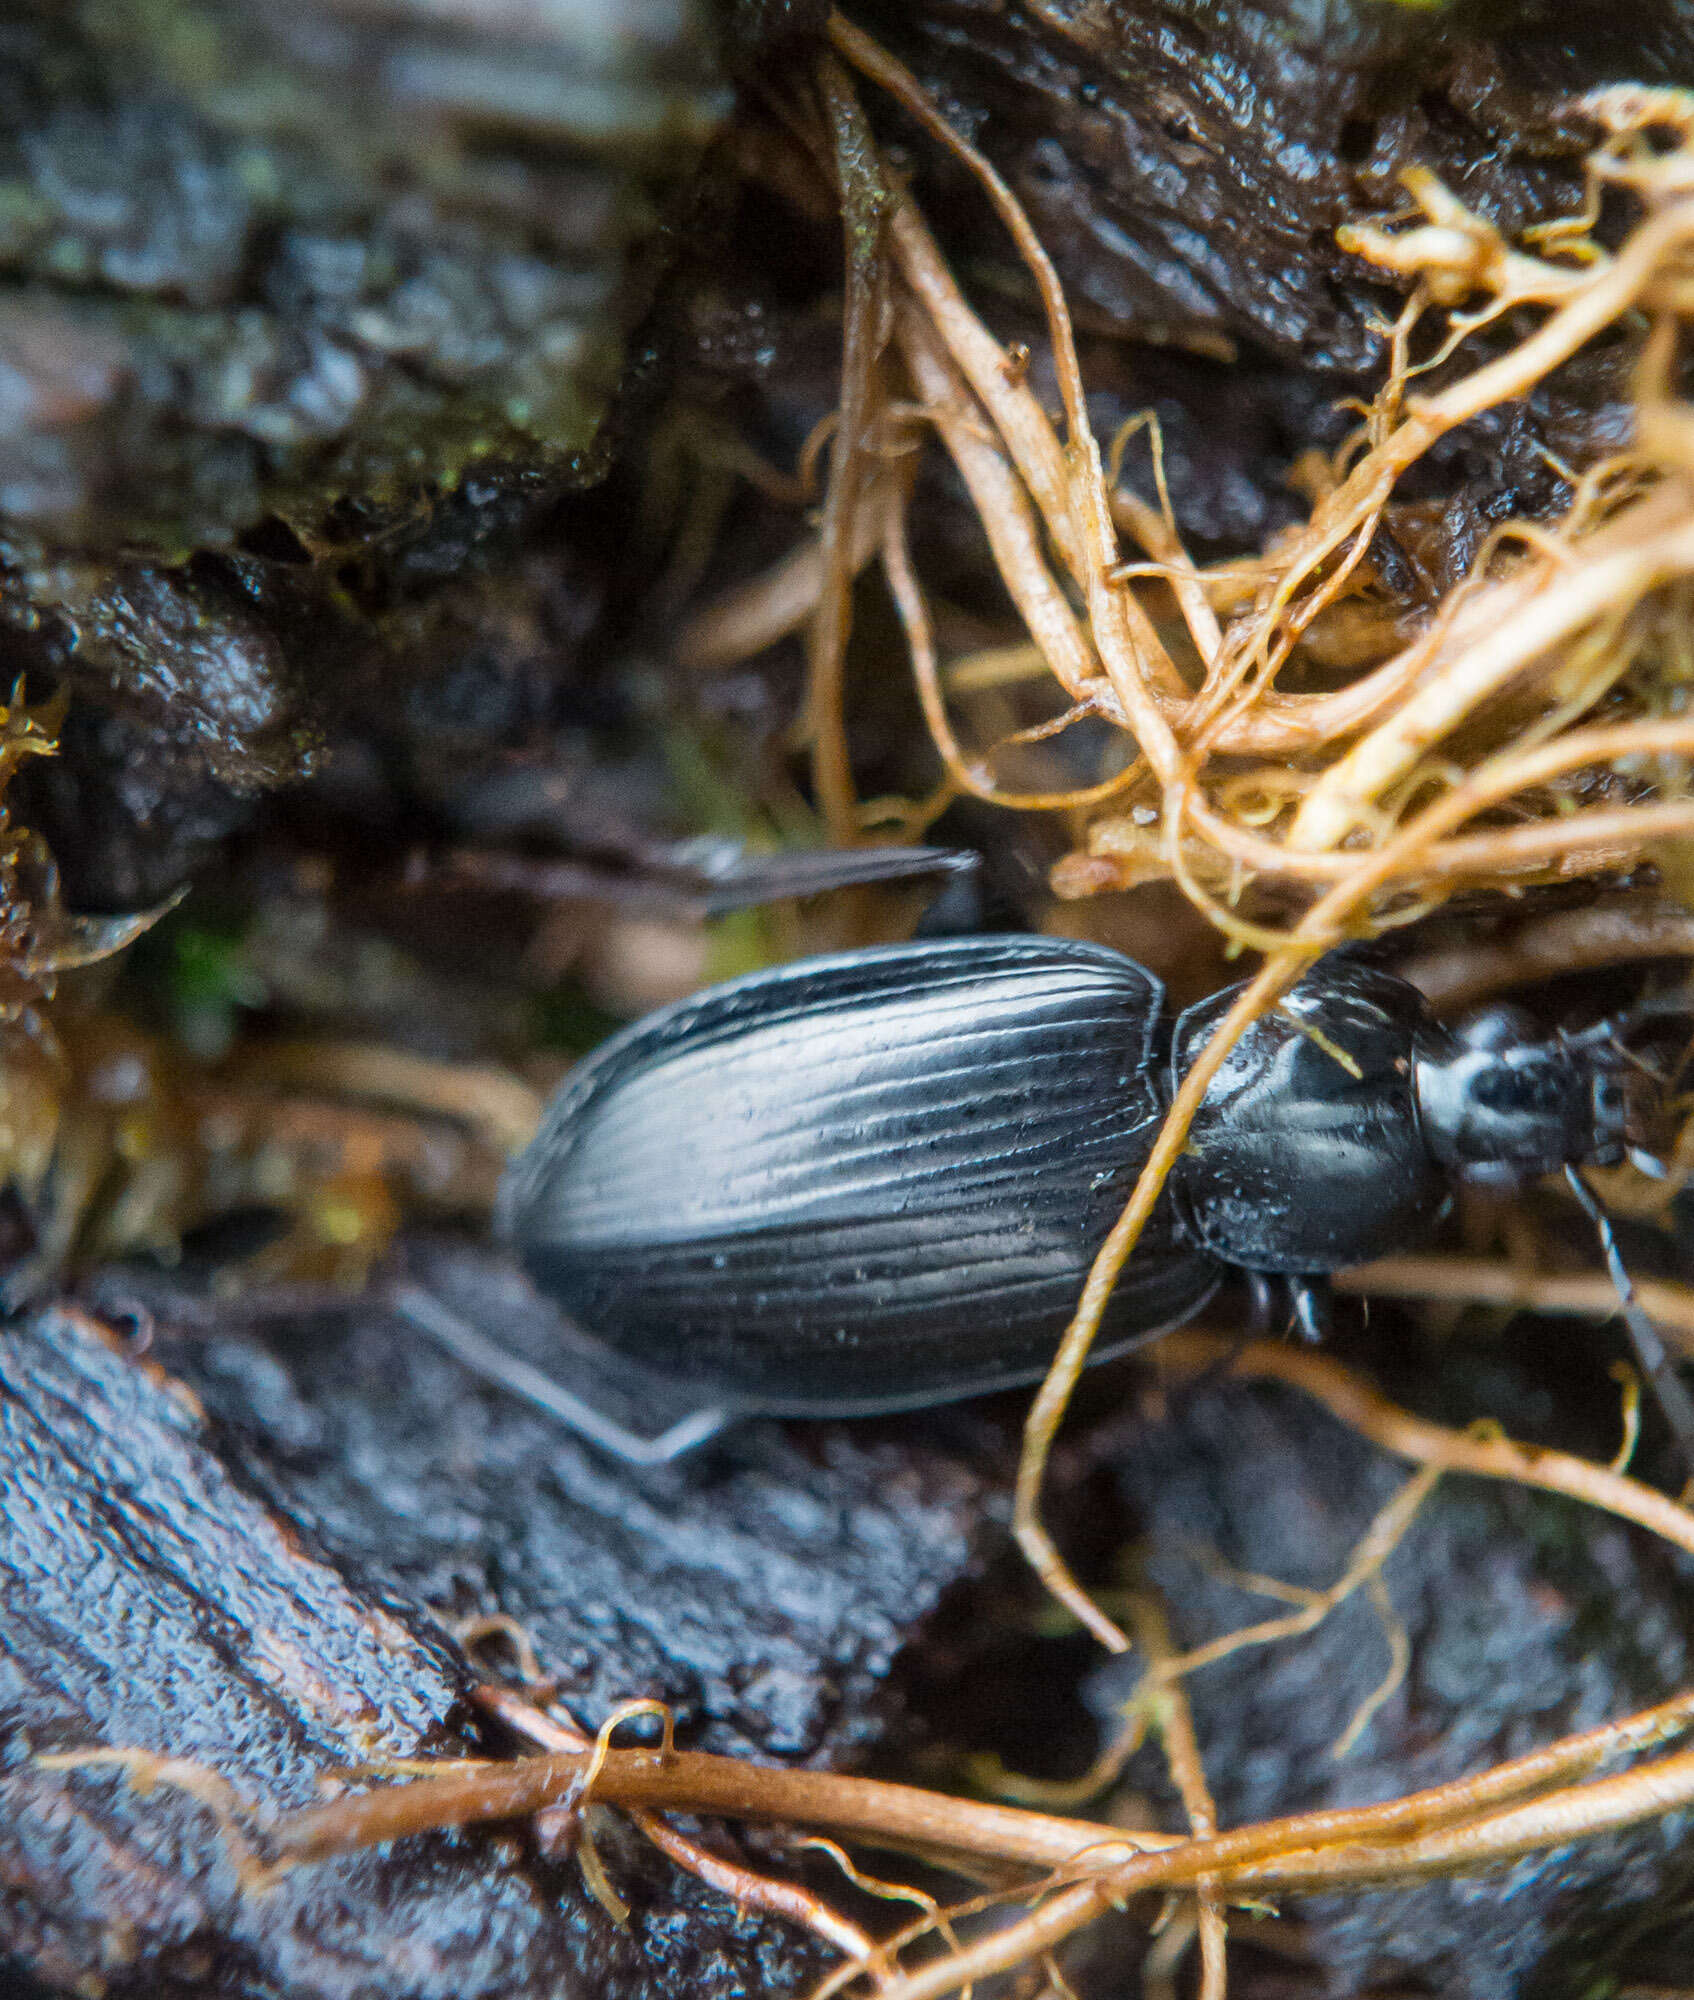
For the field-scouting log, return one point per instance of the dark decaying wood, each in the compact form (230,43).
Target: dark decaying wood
(273,1605)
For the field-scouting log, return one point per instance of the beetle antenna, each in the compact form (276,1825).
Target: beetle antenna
(1650,1350)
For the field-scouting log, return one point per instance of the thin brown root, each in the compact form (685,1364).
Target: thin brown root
(1532,1802)
(757,614)
(1488,1456)
(147,1771)
(1490,1281)
(1364,1566)
(1053,1398)
(1399,1664)
(1174,1720)
(496,1105)
(692,1781)
(1609,933)
(744,1886)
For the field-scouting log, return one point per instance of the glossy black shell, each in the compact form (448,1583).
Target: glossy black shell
(861,1182)
(1309,1152)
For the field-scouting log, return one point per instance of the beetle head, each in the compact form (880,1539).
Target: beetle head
(1503,1103)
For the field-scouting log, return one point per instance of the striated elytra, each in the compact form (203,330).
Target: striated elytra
(878,1179)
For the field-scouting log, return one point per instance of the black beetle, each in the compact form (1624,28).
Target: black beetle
(877,1180)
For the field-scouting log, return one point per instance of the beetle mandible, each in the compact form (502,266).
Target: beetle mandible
(877,1180)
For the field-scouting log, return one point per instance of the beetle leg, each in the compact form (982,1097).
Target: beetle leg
(1313,1304)
(746,880)
(509,1371)
(1656,1364)
(689,881)
(1261,1304)
(1302,1305)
